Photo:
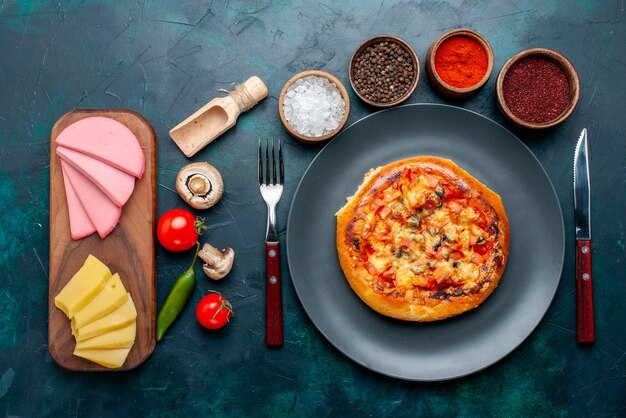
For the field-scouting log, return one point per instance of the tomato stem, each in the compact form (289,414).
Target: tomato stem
(225,305)
(199,225)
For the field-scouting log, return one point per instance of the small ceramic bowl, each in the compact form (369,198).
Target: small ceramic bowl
(563,63)
(404,45)
(281,101)
(437,82)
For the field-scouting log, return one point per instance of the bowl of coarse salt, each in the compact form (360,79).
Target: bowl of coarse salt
(313,106)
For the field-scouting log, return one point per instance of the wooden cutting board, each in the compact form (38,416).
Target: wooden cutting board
(128,250)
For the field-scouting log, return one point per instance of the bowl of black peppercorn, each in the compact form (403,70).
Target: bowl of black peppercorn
(384,71)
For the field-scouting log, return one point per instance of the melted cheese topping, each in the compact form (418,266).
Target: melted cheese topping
(417,229)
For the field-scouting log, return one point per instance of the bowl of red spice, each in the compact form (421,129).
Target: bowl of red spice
(384,71)
(459,63)
(537,88)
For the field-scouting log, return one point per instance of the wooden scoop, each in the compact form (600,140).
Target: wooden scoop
(217,116)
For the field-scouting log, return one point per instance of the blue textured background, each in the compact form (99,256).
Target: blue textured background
(166,59)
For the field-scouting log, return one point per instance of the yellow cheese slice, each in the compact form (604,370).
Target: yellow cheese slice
(109,299)
(108,358)
(119,318)
(83,286)
(119,338)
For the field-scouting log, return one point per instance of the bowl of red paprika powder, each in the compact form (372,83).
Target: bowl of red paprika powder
(537,88)
(459,63)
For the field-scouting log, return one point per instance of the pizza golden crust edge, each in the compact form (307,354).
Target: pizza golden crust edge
(404,287)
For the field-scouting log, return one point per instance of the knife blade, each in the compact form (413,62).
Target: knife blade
(585,332)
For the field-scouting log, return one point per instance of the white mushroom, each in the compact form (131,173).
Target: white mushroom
(200,185)
(217,263)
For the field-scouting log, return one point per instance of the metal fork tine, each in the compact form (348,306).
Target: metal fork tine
(267,163)
(280,162)
(273,164)
(260,164)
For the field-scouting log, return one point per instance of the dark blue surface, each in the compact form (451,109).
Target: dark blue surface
(165,60)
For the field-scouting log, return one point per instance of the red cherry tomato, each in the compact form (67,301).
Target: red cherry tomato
(178,230)
(213,311)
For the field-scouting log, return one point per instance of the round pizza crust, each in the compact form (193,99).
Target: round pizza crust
(419,303)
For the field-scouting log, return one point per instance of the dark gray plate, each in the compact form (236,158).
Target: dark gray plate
(454,347)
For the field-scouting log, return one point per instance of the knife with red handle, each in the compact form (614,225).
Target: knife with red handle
(585,332)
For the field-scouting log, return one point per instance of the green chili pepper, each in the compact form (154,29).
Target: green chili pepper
(176,299)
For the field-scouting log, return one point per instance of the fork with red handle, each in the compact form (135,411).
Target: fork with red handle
(271,179)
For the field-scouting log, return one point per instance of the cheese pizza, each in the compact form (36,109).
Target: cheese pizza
(422,240)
